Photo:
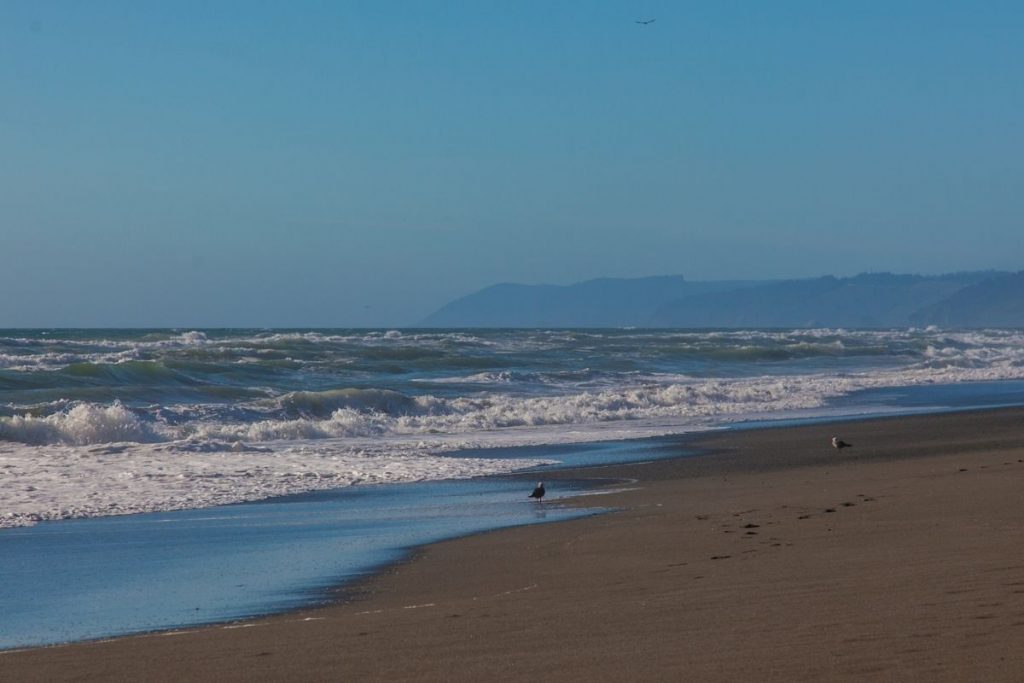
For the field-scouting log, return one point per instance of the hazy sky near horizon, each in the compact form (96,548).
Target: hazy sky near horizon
(361,163)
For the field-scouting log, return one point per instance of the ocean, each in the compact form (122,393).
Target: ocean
(100,422)
(346,448)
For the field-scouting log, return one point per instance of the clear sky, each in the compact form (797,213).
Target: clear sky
(361,163)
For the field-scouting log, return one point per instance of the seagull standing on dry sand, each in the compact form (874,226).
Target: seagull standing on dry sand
(839,444)
(538,492)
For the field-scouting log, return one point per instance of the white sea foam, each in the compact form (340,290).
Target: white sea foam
(80,425)
(377,412)
(325,403)
(76,458)
(63,482)
(107,461)
(33,357)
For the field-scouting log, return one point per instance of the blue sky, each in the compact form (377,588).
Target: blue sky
(361,163)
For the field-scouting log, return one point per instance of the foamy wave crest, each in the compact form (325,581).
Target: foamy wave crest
(147,478)
(693,400)
(52,361)
(360,413)
(80,425)
(89,351)
(323,404)
(684,401)
(44,353)
(197,429)
(487,378)
(343,423)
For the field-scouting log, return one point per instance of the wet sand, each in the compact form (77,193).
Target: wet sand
(772,557)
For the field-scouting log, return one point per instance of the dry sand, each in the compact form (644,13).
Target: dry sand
(774,558)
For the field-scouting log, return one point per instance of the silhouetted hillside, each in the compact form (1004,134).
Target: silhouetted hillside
(605,302)
(995,302)
(867,300)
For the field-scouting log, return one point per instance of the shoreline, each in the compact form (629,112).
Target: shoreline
(734,464)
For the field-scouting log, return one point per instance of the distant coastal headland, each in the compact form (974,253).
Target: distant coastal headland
(967,299)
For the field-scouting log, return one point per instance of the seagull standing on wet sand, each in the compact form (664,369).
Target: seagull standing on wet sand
(538,492)
(839,444)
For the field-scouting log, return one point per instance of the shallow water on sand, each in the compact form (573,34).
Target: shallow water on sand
(105,422)
(93,578)
(106,576)
(115,575)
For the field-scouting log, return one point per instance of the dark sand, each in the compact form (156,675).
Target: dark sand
(774,559)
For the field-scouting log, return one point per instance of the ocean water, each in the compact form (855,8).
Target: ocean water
(105,422)
(115,575)
(266,467)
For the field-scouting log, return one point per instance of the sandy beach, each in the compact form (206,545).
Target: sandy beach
(769,557)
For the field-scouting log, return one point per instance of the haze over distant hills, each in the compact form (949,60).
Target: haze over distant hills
(970,299)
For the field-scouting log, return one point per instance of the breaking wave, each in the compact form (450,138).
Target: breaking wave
(322,404)
(80,425)
(188,418)
(347,413)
